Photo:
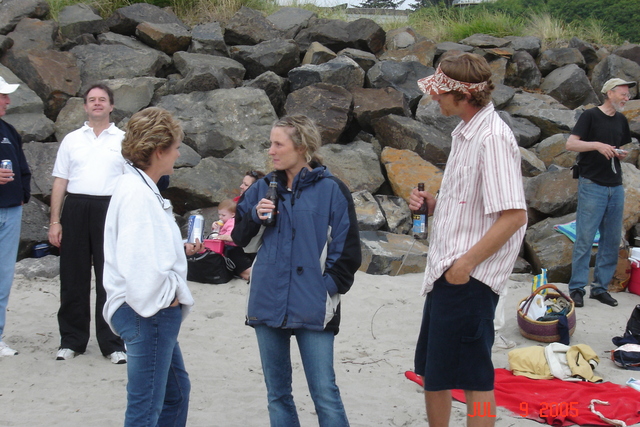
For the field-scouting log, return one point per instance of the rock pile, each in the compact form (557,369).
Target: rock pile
(381,134)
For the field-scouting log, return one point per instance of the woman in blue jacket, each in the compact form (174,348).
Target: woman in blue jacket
(304,263)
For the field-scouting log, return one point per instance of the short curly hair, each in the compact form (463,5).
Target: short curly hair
(147,131)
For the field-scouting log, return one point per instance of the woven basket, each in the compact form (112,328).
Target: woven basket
(544,331)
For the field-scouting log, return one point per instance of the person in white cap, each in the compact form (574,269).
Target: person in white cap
(597,137)
(15,190)
(479,220)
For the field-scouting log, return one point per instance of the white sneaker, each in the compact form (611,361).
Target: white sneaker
(65,354)
(5,350)
(504,343)
(118,357)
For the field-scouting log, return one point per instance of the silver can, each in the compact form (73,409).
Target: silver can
(196,228)
(6,164)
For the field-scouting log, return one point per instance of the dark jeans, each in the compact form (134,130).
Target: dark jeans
(82,241)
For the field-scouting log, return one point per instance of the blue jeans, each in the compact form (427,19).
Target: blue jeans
(599,208)
(159,386)
(10,221)
(316,351)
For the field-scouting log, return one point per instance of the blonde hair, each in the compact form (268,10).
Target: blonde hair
(228,204)
(470,68)
(304,133)
(147,131)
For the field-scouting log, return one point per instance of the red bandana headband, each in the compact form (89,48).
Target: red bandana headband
(439,83)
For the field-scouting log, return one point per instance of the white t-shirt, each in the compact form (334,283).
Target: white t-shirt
(91,163)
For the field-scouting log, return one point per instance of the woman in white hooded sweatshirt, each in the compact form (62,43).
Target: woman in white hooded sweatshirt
(147,293)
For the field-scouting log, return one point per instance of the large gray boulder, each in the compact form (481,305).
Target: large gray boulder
(41,158)
(365,60)
(318,54)
(79,19)
(570,86)
(249,27)
(552,151)
(392,254)
(428,112)
(33,34)
(53,75)
(206,184)
(126,19)
(218,121)
(330,106)
(396,213)
(71,117)
(365,34)
(553,193)
(401,76)
(526,133)
(12,11)
(168,38)
(446,46)
(31,126)
(279,56)
(290,20)
(356,164)
(208,38)
(522,71)
(203,72)
(275,87)
(371,104)
(484,41)
(332,33)
(368,212)
(132,95)
(531,165)
(547,248)
(422,51)
(23,100)
(341,71)
(543,111)
(588,53)
(113,61)
(552,59)
(530,44)
(629,51)
(616,66)
(404,133)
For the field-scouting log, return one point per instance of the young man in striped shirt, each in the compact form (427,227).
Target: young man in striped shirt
(479,220)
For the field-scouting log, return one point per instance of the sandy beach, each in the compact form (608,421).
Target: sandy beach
(380,320)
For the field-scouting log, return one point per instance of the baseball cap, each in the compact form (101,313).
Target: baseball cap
(6,88)
(614,83)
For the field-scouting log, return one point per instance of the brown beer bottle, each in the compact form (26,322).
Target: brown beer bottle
(420,218)
(272,195)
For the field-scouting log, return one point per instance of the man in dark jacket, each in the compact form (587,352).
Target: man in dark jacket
(15,190)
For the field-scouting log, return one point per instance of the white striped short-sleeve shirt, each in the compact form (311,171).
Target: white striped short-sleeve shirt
(482,178)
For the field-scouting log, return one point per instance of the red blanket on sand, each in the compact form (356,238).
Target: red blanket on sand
(562,403)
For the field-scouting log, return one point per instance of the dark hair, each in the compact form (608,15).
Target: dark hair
(102,86)
(147,131)
(256,175)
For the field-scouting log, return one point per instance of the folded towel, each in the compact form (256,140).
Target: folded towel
(569,230)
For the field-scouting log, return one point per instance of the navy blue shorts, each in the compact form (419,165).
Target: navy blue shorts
(456,336)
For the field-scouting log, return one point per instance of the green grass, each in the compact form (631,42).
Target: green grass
(454,24)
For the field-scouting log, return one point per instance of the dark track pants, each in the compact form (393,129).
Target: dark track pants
(82,223)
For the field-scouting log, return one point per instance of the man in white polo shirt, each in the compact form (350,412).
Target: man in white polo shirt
(88,162)
(478,224)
